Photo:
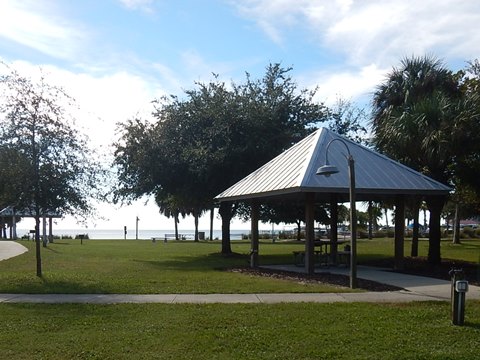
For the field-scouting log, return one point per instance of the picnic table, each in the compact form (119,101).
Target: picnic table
(322,253)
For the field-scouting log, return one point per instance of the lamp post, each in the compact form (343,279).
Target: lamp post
(136,228)
(328,170)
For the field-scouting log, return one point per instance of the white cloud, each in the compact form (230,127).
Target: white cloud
(144,5)
(35,25)
(102,100)
(369,37)
(353,84)
(378,31)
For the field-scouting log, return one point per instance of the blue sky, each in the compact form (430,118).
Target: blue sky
(115,56)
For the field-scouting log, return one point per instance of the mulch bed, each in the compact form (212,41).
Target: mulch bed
(414,266)
(323,278)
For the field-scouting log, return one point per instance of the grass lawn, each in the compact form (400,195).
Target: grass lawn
(214,331)
(142,267)
(241,331)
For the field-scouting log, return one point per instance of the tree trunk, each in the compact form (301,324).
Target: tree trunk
(44,232)
(37,246)
(435,205)
(456,225)
(416,225)
(226,213)
(212,211)
(299,230)
(399,232)
(175,217)
(50,230)
(14,226)
(195,215)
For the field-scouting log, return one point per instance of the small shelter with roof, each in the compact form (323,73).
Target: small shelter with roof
(293,176)
(11,214)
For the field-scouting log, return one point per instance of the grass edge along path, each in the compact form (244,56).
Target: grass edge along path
(221,331)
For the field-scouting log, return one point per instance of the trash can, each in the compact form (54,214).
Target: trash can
(201,235)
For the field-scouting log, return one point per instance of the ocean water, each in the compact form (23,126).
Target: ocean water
(118,234)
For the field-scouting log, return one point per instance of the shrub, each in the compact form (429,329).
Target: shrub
(85,237)
(469,232)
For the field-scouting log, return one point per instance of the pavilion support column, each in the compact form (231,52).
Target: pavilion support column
(334,228)
(309,233)
(415,233)
(399,232)
(254,238)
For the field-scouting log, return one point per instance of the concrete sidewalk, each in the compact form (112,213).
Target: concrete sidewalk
(9,249)
(416,288)
(435,289)
(375,297)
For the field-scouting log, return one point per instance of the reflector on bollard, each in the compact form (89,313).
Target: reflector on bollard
(461,286)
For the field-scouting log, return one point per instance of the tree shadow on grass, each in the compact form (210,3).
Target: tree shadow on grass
(472,325)
(213,261)
(55,286)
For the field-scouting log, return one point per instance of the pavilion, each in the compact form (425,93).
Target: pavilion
(291,176)
(13,213)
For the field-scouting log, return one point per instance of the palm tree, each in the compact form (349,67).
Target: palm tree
(169,206)
(412,113)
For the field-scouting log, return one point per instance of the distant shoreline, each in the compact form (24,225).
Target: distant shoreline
(116,234)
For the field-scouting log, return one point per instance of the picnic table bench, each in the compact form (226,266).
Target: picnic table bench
(172,237)
(299,257)
(322,256)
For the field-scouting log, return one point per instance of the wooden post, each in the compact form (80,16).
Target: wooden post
(416,224)
(309,233)
(399,232)
(334,227)
(254,231)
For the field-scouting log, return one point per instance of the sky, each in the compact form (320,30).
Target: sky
(116,56)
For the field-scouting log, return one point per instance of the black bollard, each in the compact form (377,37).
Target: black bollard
(459,288)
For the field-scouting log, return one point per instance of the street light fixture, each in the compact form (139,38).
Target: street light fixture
(328,170)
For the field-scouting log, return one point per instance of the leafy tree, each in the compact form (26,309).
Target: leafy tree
(169,206)
(217,134)
(423,118)
(53,168)
(414,113)
(466,167)
(347,120)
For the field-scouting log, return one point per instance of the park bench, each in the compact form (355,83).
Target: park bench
(299,257)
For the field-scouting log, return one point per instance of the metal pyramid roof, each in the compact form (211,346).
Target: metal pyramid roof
(10,211)
(294,172)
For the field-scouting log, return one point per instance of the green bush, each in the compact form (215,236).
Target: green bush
(468,232)
(77,237)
